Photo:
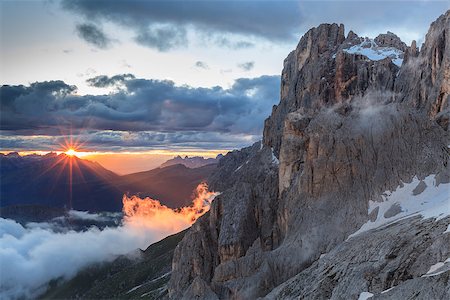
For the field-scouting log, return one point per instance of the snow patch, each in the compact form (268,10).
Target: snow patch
(372,51)
(135,288)
(274,158)
(432,202)
(159,291)
(448,229)
(151,281)
(434,269)
(365,296)
(385,291)
(238,168)
(160,277)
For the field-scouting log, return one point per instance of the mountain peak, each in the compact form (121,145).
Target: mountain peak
(190,162)
(390,39)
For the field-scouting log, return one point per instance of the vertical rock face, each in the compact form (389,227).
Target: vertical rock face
(239,222)
(424,79)
(319,74)
(305,80)
(347,128)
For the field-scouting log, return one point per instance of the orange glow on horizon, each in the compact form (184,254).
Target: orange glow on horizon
(125,162)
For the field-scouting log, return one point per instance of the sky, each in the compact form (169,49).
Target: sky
(140,78)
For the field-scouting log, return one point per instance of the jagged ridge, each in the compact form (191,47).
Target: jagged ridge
(347,129)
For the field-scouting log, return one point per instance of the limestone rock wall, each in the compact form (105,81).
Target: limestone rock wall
(347,128)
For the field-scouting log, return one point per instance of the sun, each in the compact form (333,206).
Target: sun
(71,152)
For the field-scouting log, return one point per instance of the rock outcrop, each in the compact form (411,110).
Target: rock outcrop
(424,80)
(390,39)
(347,129)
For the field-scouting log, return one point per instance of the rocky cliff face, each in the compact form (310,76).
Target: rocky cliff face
(350,127)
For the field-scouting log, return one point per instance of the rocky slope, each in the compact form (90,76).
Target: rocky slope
(352,126)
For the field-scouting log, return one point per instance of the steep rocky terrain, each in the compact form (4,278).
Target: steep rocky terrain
(318,209)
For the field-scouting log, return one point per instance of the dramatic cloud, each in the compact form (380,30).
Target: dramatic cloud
(286,22)
(34,254)
(108,140)
(163,24)
(247,66)
(140,113)
(93,35)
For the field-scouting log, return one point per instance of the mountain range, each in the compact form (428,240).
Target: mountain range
(192,162)
(45,181)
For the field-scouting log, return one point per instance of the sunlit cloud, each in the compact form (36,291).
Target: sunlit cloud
(34,254)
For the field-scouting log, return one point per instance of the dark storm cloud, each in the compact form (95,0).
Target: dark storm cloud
(105,81)
(162,24)
(140,113)
(162,38)
(247,66)
(274,21)
(93,35)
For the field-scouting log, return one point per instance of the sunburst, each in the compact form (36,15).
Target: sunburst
(71,152)
(68,162)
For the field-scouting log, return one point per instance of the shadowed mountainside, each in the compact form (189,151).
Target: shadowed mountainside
(45,181)
(142,275)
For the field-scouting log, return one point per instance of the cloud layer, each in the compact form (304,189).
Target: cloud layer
(138,113)
(32,255)
(164,24)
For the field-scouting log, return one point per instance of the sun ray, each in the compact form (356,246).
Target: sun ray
(59,170)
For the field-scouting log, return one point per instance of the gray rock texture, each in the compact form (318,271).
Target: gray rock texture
(424,80)
(346,130)
(394,257)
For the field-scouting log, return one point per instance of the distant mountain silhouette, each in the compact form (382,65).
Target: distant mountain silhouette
(172,185)
(192,162)
(45,180)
